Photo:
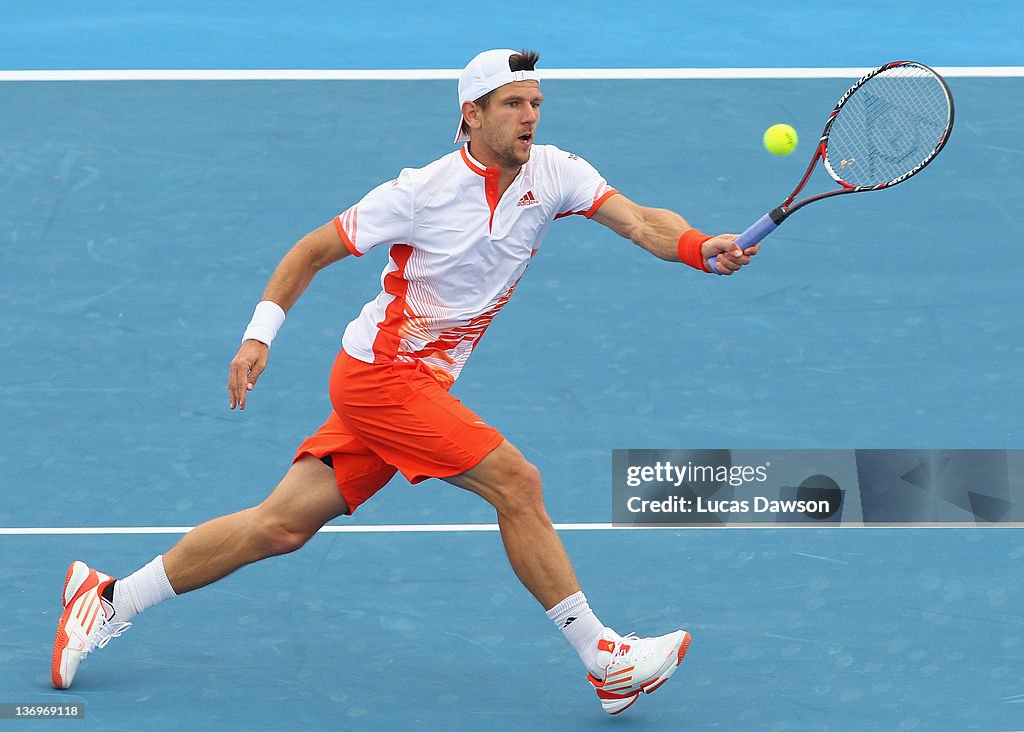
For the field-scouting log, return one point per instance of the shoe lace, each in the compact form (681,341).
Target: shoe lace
(639,648)
(102,635)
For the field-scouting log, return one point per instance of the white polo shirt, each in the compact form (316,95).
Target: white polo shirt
(457,251)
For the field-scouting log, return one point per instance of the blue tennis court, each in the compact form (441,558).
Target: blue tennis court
(141,220)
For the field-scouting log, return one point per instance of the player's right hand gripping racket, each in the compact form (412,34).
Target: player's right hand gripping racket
(885,128)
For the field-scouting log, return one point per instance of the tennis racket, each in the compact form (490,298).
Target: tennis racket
(886,128)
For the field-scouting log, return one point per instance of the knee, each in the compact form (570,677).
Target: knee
(276,535)
(522,490)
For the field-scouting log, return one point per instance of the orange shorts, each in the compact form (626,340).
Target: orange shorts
(395,417)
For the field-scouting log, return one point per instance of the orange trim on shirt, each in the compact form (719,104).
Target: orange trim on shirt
(600,202)
(593,209)
(472,331)
(344,234)
(490,176)
(472,164)
(491,192)
(385,345)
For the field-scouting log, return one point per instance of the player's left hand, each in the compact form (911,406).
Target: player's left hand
(730,258)
(246,367)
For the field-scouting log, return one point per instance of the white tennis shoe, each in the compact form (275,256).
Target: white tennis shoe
(83,626)
(635,666)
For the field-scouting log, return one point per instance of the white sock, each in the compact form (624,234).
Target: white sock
(581,628)
(141,590)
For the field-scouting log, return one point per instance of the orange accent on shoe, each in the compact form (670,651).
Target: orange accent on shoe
(59,644)
(64,589)
(605,645)
(93,616)
(684,646)
(604,694)
(619,672)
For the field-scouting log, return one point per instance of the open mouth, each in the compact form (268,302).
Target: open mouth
(526,138)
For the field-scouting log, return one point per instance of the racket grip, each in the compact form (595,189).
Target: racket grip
(754,233)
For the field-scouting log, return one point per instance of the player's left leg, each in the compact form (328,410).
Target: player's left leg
(512,485)
(620,669)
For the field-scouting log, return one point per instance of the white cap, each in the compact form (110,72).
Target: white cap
(484,74)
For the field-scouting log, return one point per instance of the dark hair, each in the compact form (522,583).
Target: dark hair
(525,60)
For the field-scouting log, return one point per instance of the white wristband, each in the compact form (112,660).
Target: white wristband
(266,321)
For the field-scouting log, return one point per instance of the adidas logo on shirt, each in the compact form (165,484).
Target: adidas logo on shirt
(528,199)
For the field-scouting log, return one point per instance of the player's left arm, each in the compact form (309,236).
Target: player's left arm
(658,231)
(316,250)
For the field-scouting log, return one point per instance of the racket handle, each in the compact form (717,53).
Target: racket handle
(755,233)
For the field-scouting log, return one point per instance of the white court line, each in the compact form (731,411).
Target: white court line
(449,74)
(332,529)
(456,528)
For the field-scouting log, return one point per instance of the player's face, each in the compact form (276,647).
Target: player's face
(509,122)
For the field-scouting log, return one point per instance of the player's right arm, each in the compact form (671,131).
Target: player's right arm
(657,230)
(312,253)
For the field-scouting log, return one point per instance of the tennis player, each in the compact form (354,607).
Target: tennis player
(460,233)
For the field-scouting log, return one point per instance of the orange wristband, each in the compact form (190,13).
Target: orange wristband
(689,249)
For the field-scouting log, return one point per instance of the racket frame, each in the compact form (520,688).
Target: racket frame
(780,213)
(767,223)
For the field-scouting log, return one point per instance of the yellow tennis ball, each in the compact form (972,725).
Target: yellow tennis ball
(780,139)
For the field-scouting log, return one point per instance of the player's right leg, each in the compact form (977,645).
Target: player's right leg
(305,499)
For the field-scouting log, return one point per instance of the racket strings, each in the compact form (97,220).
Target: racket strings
(891,125)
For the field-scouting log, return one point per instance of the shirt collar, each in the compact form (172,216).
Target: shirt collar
(472,163)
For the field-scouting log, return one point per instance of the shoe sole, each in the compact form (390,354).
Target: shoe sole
(651,686)
(620,710)
(60,645)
